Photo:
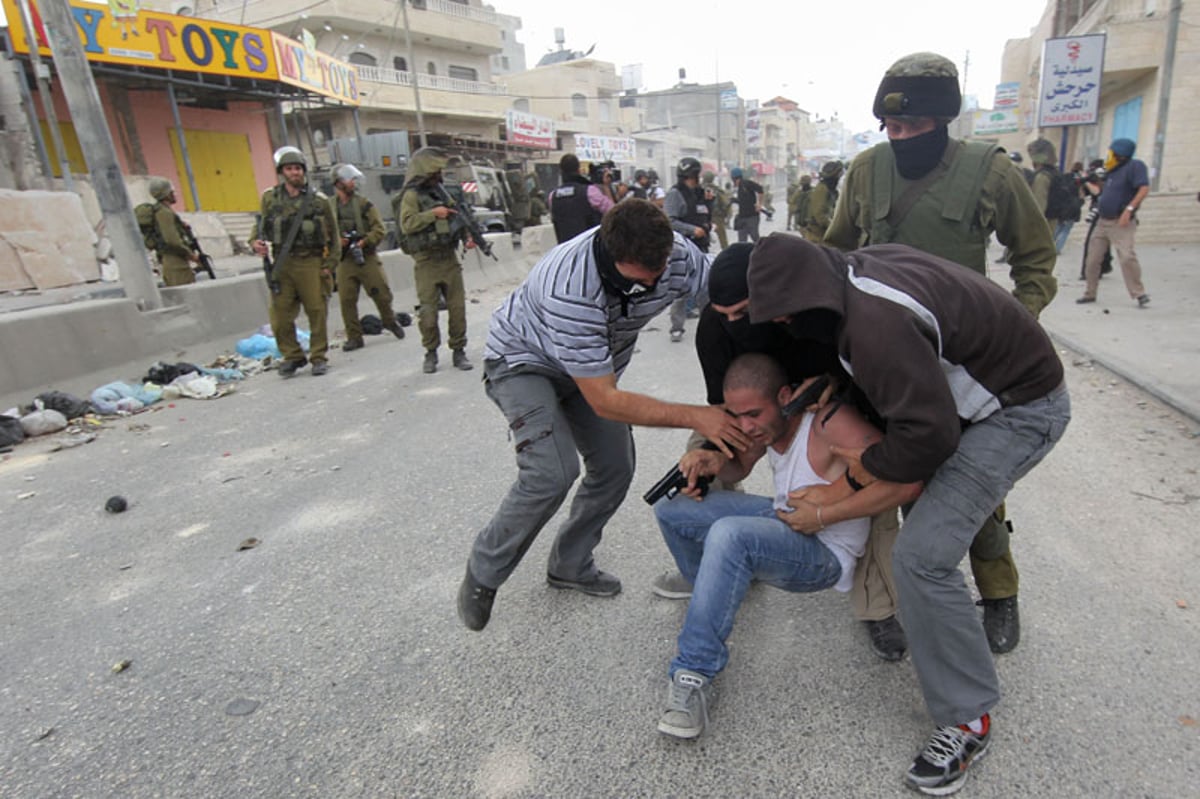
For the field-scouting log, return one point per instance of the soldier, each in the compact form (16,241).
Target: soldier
(964,191)
(520,199)
(799,206)
(687,206)
(537,208)
(721,206)
(297,226)
(822,201)
(360,228)
(424,212)
(170,237)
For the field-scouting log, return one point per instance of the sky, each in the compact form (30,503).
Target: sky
(828,57)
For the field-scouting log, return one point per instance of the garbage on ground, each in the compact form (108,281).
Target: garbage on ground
(119,397)
(42,421)
(116,504)
(68,405)
(163,373)
(11,431)
(260,345)
(192,386)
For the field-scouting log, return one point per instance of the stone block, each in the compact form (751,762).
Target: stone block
(50,237)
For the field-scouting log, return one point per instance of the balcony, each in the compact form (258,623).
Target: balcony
(392,89)
(1135,32)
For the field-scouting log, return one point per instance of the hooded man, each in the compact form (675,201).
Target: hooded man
(1126,184)
(971,393)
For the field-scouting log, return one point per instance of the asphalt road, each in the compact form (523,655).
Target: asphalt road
(328,660)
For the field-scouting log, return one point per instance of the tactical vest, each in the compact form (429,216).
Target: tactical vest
(942,221)
(697,213)
(570,210)
(823,193)
(435,237)
(283,208)
(638,191)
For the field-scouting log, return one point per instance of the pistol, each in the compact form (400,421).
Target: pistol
(675,481)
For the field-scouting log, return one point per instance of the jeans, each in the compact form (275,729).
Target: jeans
(945,635)
(1062,230)
(719,544)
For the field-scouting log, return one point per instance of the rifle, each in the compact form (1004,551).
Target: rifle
(465,219)
(675,480)
(206,261)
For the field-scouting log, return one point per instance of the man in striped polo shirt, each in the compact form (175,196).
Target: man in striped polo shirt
(555,349)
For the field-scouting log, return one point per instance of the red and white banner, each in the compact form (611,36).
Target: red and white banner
(530,130)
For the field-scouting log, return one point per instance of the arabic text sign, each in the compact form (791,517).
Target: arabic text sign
(530,130)
(993,123)
(311,69)
(158,41)
(605,148)
(1007,95)
(1072,70)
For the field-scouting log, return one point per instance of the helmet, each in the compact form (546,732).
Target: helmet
(806,180)
(920,85)
(831,169)
(708,177)
(289,155)
(346,172)
(638,174)
(652,175)
(161,188)
(1041,152)
(688,168)
(1016,158)
(1123,148)
(735,173)
(427,161)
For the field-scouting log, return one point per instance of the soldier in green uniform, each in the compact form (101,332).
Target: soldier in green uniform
(357,215)
(424,211)
(297,228)
(946,196)
(170,237)
(822,201)
(721,207)
(798,207)
(537,208)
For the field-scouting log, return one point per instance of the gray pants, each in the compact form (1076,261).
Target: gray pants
(551,424)
(949,648)
(679,309)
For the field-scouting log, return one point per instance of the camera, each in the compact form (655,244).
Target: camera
(355,246)
(596,172)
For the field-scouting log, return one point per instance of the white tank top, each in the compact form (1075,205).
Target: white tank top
(847,539)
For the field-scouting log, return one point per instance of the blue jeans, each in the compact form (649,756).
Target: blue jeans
(719,544)
(1061,231)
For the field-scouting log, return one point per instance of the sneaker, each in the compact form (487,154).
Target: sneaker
(671,585)
(352,344)
(887,638)
(475,602)
(395,329)
(941,768)
(1143,300)
(676,336)
(319,368)
(429,365)
(288,368)
(1084,300)
(687,705)
(1002,623)
(460,361)
(599,584)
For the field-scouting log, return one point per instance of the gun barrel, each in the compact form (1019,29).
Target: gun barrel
(666,487)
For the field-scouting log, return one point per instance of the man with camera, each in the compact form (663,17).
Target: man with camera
(577,204)
(688,207)
(360,229)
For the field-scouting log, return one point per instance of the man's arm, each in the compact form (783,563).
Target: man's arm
(375,233)
(675,207)
(412,218)
(1022,228)
(168,233)
(333,239)
(1127,213)
(629,407)
(598,198)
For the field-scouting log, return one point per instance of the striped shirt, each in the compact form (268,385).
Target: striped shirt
(561,319)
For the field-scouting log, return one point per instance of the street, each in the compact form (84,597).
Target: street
(328,660)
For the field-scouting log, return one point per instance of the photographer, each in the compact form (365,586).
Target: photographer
(606,175)
(577,204)
(688,207)
(360,229)
(1091,184)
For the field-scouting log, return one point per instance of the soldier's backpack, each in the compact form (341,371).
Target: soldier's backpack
(1064,202)
(145,220)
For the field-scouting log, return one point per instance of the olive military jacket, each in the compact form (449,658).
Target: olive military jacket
(318,234)
(819,213)
(360,214)
(172,236)
(953,216)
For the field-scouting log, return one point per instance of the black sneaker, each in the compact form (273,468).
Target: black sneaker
(599,584)
(941,768)
(887,638)
(1002,623)
(288,368)
(475,602)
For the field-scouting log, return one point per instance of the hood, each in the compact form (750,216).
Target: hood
(426,162)
(789,275)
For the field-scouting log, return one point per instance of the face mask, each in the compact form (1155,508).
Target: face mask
(1110,161)
(614,282)
(916,157)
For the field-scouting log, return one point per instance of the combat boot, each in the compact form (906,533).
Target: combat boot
(288,368)
(395,329)
(461,362)
(430,364)
(352,344)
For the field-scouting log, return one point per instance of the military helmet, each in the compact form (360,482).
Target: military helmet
(920,85)
(346,172)
(289,155)
(806,180)
(688,168)
(638,174)
(831,169)
(426,162)
(708,177)
(652,175)
(161,188)
(1041,152)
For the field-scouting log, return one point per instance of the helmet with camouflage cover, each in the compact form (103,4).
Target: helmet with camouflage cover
(426,162)
(708,177)
(806,180)
(920,85)
(161,188)
(831,169)
(289,155)
(1041,152)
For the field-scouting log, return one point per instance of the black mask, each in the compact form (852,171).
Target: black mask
(613,281)
(916,157)
(819,324)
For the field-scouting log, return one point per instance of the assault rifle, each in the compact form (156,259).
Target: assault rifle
(206,261)
(465,218)
(675,480)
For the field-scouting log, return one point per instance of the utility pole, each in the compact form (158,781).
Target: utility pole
(1166,77)
(79,88)
(41,74)
(416,77)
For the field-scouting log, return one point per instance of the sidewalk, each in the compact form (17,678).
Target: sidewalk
(1156,348)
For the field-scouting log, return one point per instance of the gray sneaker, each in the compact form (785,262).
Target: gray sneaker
(687,705)
(671,585)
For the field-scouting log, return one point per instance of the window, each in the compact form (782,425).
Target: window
(431,68)
(400,64)
(362,59)
(521,105)
(504,62)
(605,111)
(463,73)
(579,105)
